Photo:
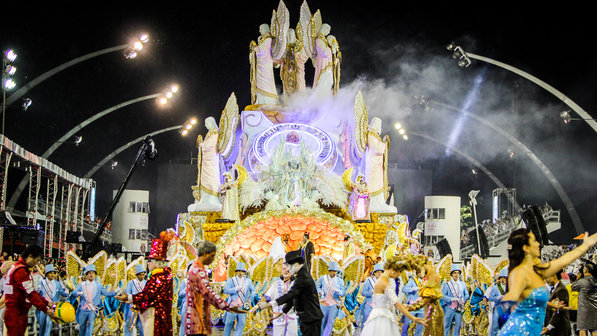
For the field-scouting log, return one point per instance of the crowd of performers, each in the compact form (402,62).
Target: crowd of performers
(403,294)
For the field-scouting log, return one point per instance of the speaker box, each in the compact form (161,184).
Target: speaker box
(484,250)
(534,221)
(116,248)
(72,237)
(30,237)
(443,247)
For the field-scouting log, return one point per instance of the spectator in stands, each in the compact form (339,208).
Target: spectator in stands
(573,302)
(586,285)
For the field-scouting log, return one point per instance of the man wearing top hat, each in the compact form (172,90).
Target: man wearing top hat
(330,289)
(494,295)
(241,291)
(302,296)
(131,317)
(411,290)
(455,295)
(154,302)
(90,291)
(367,293)
(50,289)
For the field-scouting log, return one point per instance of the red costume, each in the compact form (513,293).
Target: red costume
(157,294)
(200,296)
(20,295)
(155,301)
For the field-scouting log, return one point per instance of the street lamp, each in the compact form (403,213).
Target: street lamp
(582,113)
(143,38)
(135,46)
(186,128)
(566,116)
(167,94)
(8,83)
(401,130)
(17,193)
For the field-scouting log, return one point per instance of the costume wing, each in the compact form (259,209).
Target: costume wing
(74,266)
(303,35)
(130,268)
(279,28)
(228,125)
(501,265)
(121,271)
(353,270)
(188,234)
(443,267)
(347,178)
(361,124)
(232,261)
(276,269)
(111,275)
(250,193)
(258,273)
(319,266)
(191,253)
(313,31)
(484,274)
(100,261)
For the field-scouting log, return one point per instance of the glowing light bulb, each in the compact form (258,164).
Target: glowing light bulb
(401,131)
(397,126)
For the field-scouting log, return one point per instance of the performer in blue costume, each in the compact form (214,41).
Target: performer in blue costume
(131,318)
(331,290)
(455,295)
(90,292)
(241,291)
(367,292)
(51,289)
(411,290)
(526,282)
(494,294)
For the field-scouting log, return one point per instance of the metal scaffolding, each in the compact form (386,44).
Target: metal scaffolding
(57,201)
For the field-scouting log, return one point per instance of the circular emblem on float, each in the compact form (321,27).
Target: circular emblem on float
(317,142)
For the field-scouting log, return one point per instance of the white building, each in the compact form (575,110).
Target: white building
(130,221)
(442,220)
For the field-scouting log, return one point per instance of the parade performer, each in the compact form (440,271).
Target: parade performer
(494,294)
(526,286)
(455,295)
(331,290)
(411,290)
(284,324)
(307,250)
(50,289)
(19,292)
(302,296)
(430,294)
(154,302)
(90,291)
(131,317)
(367,292)
(382,321)
(349,249)
(200,295)
(557,317)
(241,291)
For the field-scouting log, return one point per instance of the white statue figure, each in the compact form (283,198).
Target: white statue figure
(263,85)
(375,169)
(327,58)
(209,171)
(229,193)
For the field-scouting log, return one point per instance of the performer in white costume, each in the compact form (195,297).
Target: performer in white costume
(284,324)
(230,198)
(263,81)
(382,320)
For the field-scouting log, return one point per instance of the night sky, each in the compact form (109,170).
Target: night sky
(392,53)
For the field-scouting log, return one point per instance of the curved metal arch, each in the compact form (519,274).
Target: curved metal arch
(548,174)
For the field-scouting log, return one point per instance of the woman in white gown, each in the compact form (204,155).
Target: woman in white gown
(383,320)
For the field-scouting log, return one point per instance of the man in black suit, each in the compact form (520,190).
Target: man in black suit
(307,250)
(557,318)
(302,296)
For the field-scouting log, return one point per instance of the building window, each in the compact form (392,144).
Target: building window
(138,234)
(146,207)
(132,206)
(435,213)
(144,234)
(131,233)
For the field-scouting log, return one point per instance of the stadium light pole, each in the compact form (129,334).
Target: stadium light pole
(162,98)
(131,50)
(464,61)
